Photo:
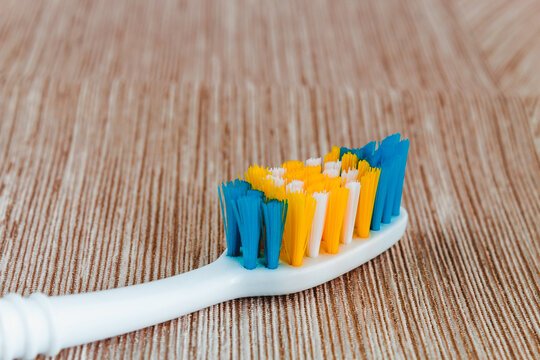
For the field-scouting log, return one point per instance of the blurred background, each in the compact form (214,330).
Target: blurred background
(444,45)
(119,118)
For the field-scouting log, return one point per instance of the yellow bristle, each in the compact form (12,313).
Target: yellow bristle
(312,170)
(320,183)
(256,176)
(316,187)
(368,189)
(302,174)
(272,190)
(295,174)
(297,226)
(293,165)
(313,178)
(349,161)
(337,204)
(363,166)
(332,155)
(331,183)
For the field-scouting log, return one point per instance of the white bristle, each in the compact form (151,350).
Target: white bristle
(332,173)
(313,162)
(278,171)
(349,175)
(318,224)
(350,212)
(295,186)
(276,180)
(332,165)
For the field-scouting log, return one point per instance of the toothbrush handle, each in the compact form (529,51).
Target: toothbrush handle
(40,324)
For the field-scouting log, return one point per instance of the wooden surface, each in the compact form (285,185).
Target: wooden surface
(119,119)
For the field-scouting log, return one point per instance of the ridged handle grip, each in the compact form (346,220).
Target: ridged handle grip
(27,327)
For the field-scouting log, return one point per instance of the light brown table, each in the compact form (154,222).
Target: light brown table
(119,119)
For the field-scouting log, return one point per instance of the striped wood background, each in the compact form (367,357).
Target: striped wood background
(119,119)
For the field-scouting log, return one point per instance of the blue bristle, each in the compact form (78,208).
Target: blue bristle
(364,153)
(386,149)
(248,217)
(344,150)
(256,193)
(402,153)
(391,190)
(380,197)
(275,213)
(383,157)
(260,195)
(388,156)
(391,140)
(229,193)
(383,153)
(374,159)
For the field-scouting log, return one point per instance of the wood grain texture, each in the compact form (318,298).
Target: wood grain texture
(118,120)
(368,44)
(508,36)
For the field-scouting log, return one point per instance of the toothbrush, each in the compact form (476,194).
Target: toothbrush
(275,246)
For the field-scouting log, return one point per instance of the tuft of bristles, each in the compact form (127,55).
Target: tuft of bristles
(297,226)
(230,192)
(295,210)
(275,213)
(249,217)
(337,205)
(368,188)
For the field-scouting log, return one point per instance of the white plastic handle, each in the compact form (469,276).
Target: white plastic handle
(44,325)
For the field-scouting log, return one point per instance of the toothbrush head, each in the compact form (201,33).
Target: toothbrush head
(278,216)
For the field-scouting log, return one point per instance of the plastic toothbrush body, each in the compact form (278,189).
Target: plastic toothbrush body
(44,325)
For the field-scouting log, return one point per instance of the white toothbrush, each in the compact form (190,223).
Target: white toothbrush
(44,325)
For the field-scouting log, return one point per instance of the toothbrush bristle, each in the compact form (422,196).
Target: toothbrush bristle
(248,215)
(317,227)
(296,210)
(275,213)
(351,209)
(349,161)
(337,203)
(402,152)
(229,194)
(297,226)
(368,188)
(333,155)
